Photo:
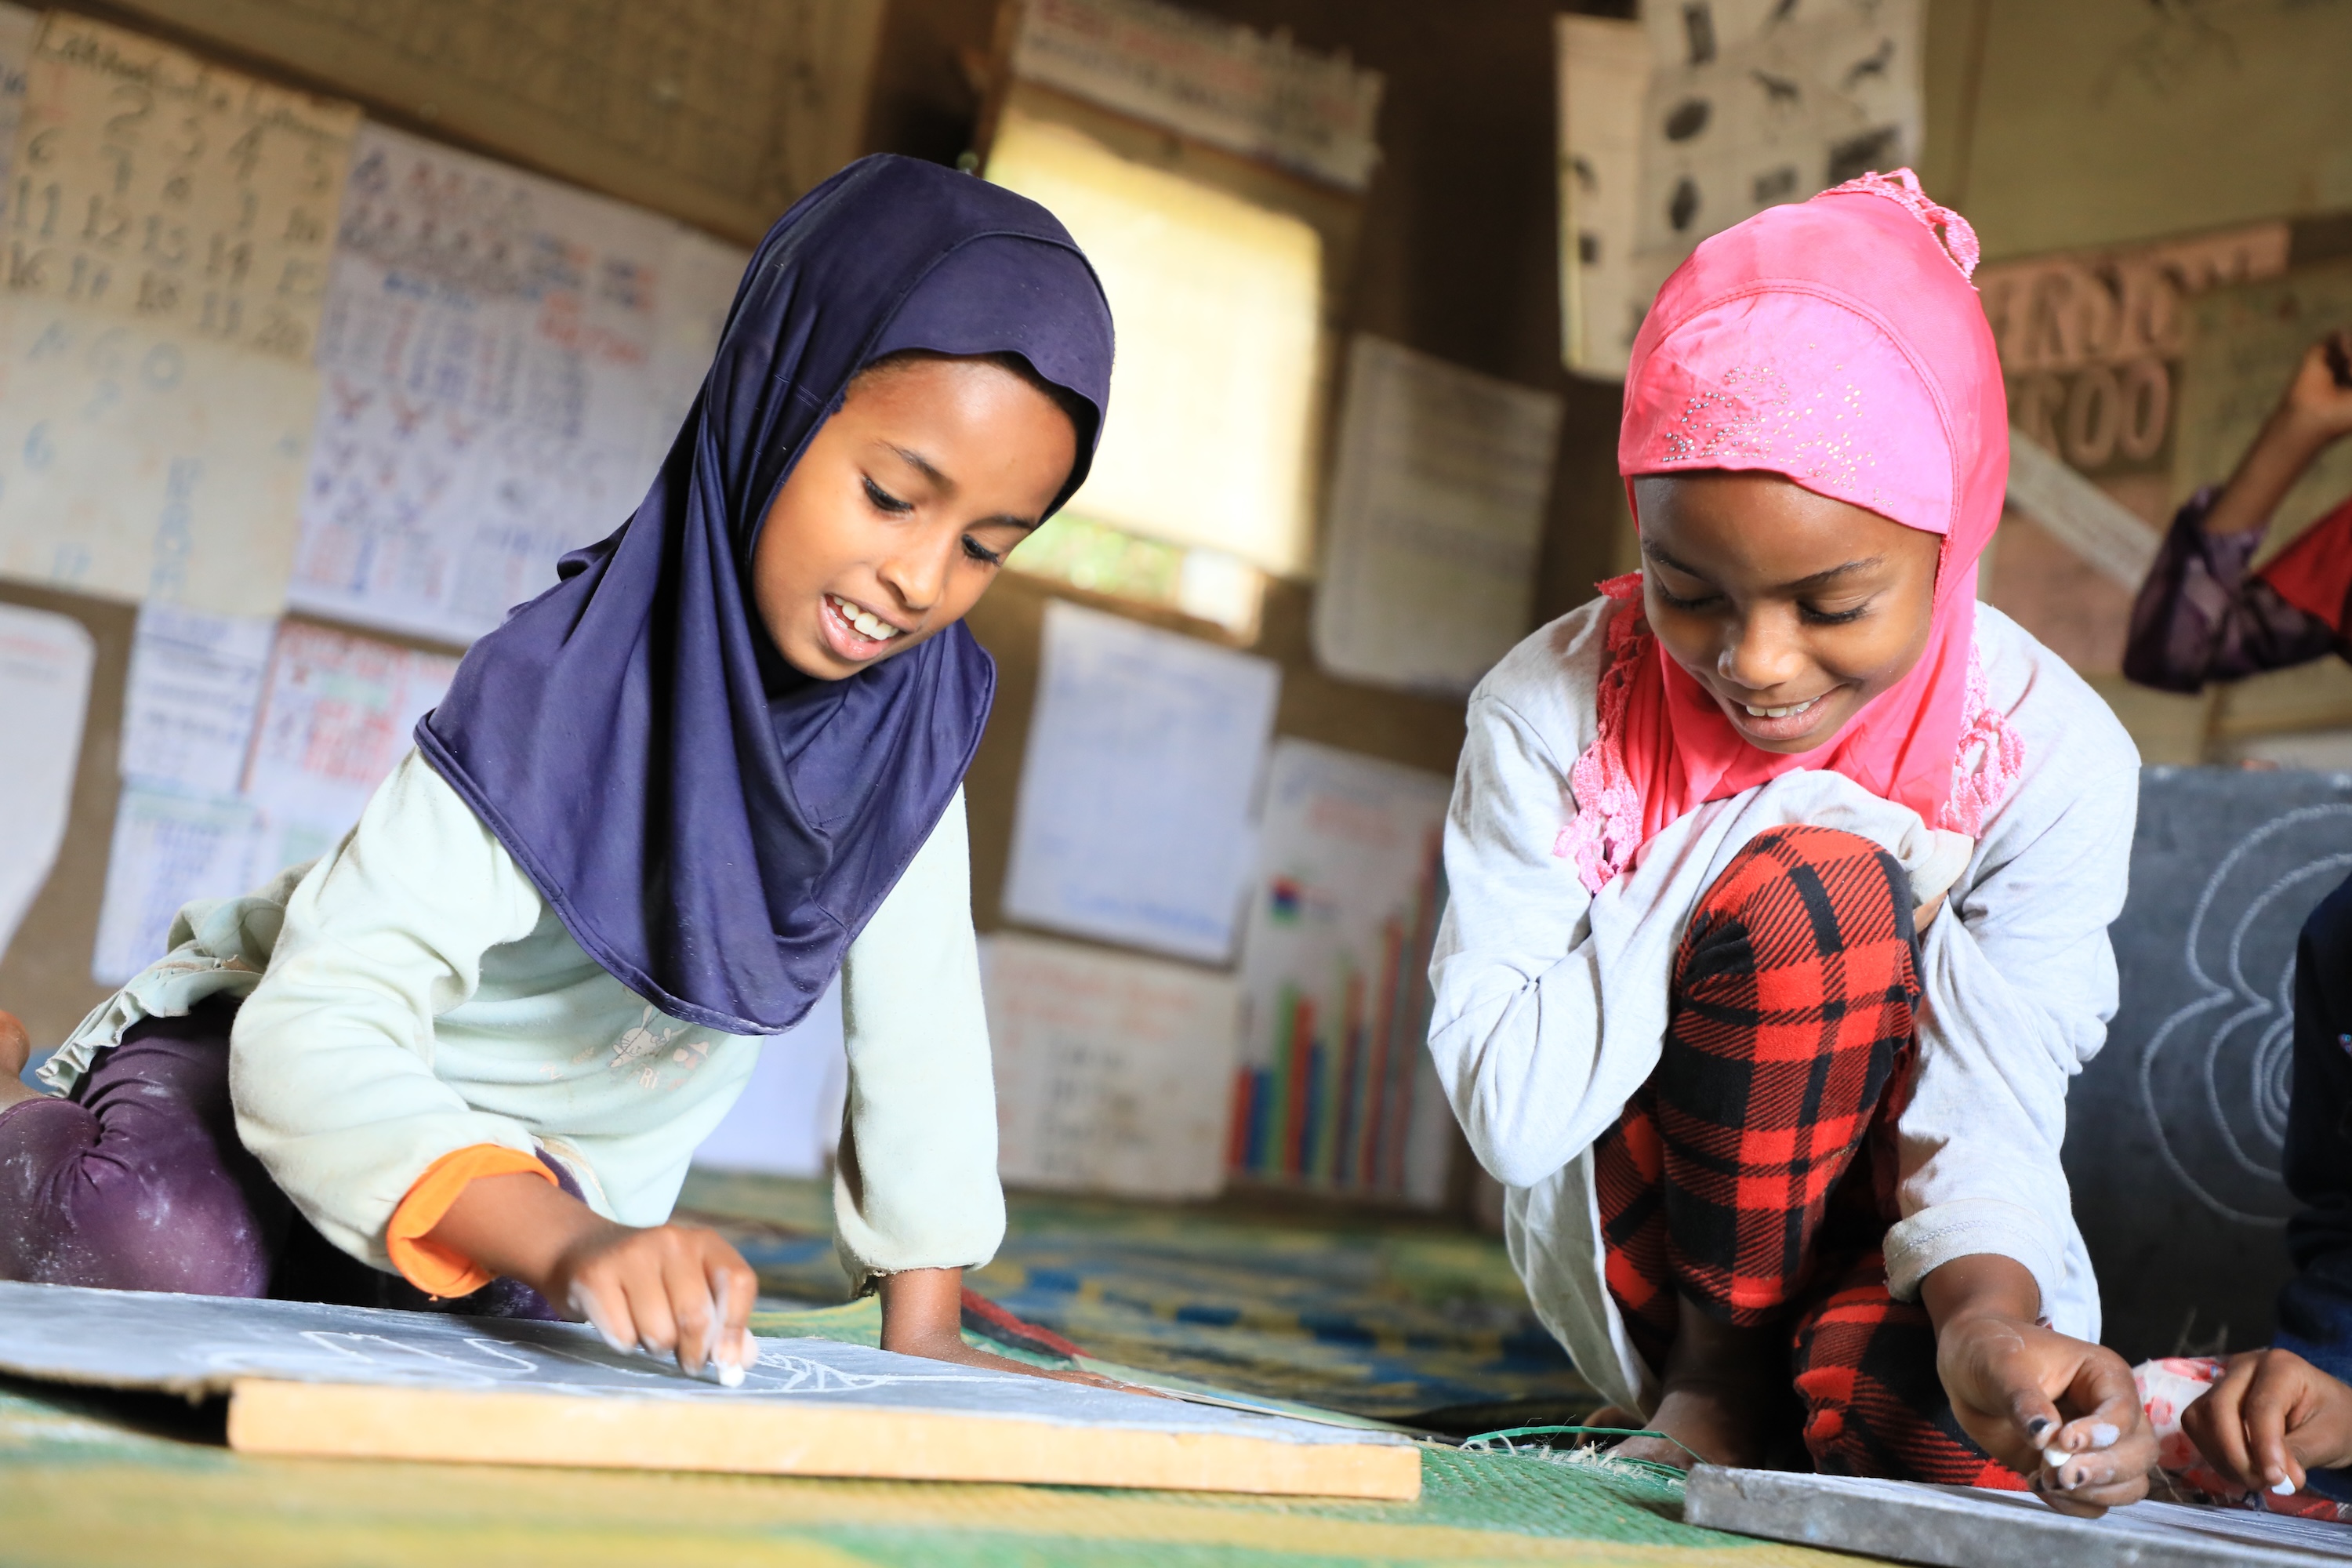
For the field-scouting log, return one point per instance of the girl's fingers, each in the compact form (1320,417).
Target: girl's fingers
(691,1308)
(607,1312)
(649,1307)
(2213,1423)
(2264,1414)
(2034,1415)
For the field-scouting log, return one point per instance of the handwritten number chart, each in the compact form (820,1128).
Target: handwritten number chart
(152,185)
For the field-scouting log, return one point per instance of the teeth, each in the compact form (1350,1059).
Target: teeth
(1777,712)
(868,625)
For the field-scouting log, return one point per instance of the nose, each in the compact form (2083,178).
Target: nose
(1760,651)
(918,575)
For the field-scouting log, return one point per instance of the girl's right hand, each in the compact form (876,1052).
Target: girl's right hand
(669,1290)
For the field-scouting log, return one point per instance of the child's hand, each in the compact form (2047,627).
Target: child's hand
(672,1290)
(669,1290)
(922,1314)
(2060,1411)
(2317,406)
(2272,1418)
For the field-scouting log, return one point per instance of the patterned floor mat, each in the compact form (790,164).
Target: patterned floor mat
(1398,1319)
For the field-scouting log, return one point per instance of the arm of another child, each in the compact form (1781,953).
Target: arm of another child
(2315,410)
(2271,1419)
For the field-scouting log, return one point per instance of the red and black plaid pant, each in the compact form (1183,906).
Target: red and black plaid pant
(1754,1174)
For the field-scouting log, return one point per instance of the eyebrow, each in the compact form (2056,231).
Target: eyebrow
(1817,580)
(932,472)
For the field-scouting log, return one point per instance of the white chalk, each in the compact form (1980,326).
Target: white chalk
(2282,1489)
(2054,1456)
(729,1375)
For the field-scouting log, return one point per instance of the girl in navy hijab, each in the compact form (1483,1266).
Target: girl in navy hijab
(464,1059)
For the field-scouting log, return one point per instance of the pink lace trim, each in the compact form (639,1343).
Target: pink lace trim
(1607,829)
(1903,188)
(1986,764)
(1604,836)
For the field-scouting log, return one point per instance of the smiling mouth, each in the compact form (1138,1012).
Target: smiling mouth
(1788,712)
(864,623)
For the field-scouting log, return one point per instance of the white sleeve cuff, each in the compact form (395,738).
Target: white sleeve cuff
(1967,1227)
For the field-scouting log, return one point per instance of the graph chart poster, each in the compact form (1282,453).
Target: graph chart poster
(1334,1089)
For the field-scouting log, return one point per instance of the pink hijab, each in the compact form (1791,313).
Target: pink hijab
(1839,344)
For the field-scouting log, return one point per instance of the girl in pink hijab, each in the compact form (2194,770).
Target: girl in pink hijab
(1781,880)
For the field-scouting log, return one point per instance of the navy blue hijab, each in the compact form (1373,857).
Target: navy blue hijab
(712,826)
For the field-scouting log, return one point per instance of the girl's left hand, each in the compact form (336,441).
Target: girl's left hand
(2062,1412)
(922,1314)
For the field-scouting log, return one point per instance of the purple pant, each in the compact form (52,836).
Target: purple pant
(137,1182)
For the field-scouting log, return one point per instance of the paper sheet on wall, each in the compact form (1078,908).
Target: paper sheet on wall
(2244,343)
(1604,66)
(1112,1071)
(18,26)
(505,361)
(142,462)
(1755,102)
(338,713)
(1133,820)
(152,185)
(1334,1087)
(326,716)
(168,849)
(1437,510)
(45,665)
(188,708)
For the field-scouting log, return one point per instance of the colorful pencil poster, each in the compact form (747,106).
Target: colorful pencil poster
(1334,1089)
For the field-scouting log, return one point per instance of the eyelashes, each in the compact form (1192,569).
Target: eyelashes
(884,500)
(1812,617)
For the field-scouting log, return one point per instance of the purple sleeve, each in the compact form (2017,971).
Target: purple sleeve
(2201,616)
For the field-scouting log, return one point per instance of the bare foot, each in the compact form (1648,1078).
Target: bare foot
(16,1049)
(1720,1386)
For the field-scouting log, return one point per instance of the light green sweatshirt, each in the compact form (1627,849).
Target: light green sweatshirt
(411,995)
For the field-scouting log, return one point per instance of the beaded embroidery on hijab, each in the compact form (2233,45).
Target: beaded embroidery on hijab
(1838,343)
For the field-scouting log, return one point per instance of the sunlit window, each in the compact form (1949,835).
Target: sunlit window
(1218,304)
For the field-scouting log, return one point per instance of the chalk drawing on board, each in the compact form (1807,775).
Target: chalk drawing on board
(356,1382)
(2239,1086)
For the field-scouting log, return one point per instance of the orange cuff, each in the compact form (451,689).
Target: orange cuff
(434,1270)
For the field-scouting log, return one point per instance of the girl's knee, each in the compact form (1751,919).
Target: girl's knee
(1810,891)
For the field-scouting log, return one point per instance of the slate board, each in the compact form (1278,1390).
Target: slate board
(1966,1527)
(199,1345)
(2174,1132)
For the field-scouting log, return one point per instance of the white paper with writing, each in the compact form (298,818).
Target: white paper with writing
(504,366)
(189,707)
(1113,1072)
(140,461)
(1133,820)
(1437,510)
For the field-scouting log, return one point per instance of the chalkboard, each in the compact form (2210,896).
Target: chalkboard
(360,1381)
(2174,1132)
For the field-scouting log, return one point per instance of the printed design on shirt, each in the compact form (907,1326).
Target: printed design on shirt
(656,1058)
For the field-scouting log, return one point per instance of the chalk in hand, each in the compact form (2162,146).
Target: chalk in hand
(2283,1488)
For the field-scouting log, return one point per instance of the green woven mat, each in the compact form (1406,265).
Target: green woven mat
(102,1481)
